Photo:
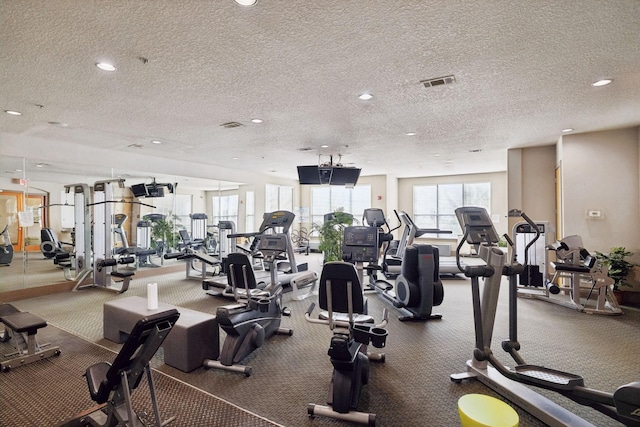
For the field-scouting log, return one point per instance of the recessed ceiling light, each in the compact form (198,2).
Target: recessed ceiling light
(13,113)
(365,96)
(324,146)
(155,141)
(567,130)
(602,82)
(246,2)
(410,134)
(234,158)
(105,66)
(257,120)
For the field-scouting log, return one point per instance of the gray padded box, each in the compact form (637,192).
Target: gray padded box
(193,338)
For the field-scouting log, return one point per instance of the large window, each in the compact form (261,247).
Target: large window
(434,205)
(278,197)
(225,208)
(250,212)
(330,199)
(176,207)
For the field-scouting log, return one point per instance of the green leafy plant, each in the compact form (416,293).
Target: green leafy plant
(617,265)
(165,232)
(332,235)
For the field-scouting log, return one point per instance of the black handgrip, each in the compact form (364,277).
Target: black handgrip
(508,239)
(126,260)
(173,255)
(531,243)
(310,309)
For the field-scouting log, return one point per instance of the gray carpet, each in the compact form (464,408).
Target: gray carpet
(411,389)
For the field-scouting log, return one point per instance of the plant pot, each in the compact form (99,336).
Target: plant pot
(619,295)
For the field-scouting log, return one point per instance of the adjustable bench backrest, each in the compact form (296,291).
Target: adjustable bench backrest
(337,274)
(143,342)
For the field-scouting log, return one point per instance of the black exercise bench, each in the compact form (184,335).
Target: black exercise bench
(111,385)
(22,327)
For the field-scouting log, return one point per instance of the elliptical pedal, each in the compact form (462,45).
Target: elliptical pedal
(548,378)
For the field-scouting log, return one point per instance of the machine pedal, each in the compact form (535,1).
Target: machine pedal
(548,378)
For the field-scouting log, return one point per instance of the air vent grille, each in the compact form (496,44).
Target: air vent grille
(438,81)
(136,146)
(231,125)
(305,149)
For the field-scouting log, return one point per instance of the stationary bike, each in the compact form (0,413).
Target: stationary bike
(257,314)
(622,405)
(341,295)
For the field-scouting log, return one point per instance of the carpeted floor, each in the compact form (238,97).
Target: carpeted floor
(411,389)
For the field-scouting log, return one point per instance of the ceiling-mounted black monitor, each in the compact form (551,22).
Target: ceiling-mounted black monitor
(155,191)
(309,175)
(139,190)
(345,176)
(332,175)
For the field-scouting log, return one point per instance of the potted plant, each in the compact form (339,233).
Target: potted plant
(165,234)
(618,267)
(331,234)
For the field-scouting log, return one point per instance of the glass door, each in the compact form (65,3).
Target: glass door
(35,206)
(10,204)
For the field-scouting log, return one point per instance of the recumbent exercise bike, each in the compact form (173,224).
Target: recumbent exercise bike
(258,312)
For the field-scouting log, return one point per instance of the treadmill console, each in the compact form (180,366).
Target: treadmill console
(272,245)
(477,224)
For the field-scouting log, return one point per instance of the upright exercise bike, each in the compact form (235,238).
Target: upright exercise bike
(258,312)
(341,295)
(622,405)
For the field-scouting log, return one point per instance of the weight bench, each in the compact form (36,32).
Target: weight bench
(111,385)
(22,327)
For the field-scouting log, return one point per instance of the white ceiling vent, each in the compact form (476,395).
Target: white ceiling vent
(438,81)
(231,125)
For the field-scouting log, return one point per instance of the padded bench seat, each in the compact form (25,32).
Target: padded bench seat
(573,268)
(17,324)
(193,338)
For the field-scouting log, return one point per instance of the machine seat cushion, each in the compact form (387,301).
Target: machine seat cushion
(24,322)
(95,375)
(122,273)
(573,268)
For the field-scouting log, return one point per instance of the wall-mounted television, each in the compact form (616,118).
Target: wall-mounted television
(139,190)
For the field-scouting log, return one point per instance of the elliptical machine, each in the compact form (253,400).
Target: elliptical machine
(622,405)
(258,312)
(418,287)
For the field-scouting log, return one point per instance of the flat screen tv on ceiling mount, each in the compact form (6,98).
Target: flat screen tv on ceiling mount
(332,175)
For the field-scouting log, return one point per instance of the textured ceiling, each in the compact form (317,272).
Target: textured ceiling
(522,74)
